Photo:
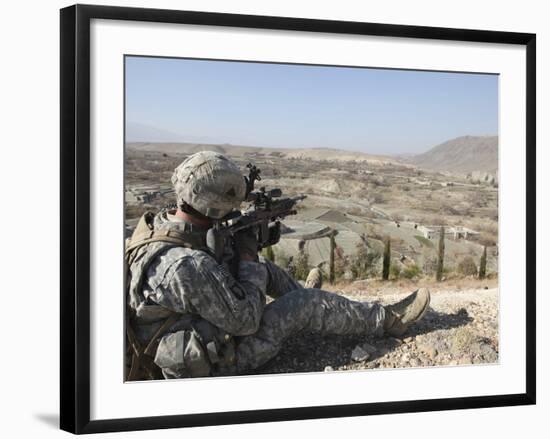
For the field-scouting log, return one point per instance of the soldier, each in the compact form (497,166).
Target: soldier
(189,317)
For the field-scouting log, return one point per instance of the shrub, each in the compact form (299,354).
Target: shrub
(301,266)
(362,264)
(395,271)
(341,263)
(378,199)
(467,266)
(430,264)
(411,271)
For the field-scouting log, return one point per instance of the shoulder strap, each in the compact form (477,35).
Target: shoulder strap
(146,234)
(171,236)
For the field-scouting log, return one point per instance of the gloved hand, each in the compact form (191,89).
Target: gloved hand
(246,244)
(274,234)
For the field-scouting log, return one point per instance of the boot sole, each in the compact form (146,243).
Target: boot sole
(428,300)
(399,331)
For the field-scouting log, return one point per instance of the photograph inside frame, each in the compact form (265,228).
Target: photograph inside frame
(287,218)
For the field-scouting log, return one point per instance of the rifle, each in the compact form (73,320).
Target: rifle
(266,209)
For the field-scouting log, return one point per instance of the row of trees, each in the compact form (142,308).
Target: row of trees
(366,263)
(467,266)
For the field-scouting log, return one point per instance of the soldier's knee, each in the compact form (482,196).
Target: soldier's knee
(306,294)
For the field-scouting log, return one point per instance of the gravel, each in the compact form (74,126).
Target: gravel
(460,328)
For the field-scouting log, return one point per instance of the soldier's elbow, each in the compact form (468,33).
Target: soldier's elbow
(247,327)
(248,330)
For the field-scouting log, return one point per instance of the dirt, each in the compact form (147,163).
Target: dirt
(460,328)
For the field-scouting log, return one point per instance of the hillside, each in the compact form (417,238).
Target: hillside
(461,155)
(238,150)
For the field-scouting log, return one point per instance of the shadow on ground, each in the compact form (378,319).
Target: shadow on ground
(308,352)
(434,320)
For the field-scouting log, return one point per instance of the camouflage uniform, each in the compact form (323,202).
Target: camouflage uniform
(223,325)
(298,309)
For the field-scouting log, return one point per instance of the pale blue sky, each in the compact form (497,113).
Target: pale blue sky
(276,105)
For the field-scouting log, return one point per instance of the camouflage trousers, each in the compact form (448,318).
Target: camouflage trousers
(298,309)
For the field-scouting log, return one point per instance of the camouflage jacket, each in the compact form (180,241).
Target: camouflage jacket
(190,282)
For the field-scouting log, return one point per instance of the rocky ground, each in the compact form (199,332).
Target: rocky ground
(460,328)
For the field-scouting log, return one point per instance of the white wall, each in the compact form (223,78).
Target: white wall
(29,139)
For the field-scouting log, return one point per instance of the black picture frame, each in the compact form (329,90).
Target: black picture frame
(75,217)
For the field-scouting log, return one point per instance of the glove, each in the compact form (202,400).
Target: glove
(246,244)
(274,232)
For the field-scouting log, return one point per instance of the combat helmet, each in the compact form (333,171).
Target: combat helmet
(209,183)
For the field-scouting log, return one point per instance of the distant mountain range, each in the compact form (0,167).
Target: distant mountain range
(462,155)
(240,150)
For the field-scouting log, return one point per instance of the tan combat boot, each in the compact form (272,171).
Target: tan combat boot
(400,315)
(314,278)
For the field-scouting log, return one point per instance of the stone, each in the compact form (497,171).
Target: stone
(329,369)
(429,350)
(370,349)
(359,354)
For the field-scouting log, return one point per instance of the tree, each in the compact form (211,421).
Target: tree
(483,263)
(386,260)
(440,255)
(269,254)
(411,271)
(331,265)
(363,263)
(359,263)
(430,263)
(341,264)
(302,265)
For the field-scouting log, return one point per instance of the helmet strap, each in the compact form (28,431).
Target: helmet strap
(187,213)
